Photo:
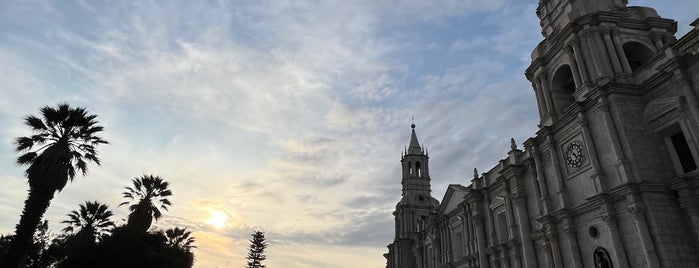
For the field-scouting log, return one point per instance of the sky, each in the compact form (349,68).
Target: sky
(283,116)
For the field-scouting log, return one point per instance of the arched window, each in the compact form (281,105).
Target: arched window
(417,168)
(637,54)
(562,88)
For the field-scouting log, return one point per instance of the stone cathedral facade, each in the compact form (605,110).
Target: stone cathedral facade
(610,179)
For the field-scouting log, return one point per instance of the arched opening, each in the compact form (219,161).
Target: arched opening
(417,168)
(563,87)
(637,54)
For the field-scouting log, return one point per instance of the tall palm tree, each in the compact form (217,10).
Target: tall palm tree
(180,238)
(63,138)
(92,221)
(146,198)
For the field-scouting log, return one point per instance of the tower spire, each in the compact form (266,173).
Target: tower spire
(414,147)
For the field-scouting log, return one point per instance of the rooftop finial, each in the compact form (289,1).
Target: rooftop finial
(513,144)
(413,122)
(475,173)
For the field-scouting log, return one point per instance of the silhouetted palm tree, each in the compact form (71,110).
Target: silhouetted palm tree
(180,238)
(92,221)
(147,196)
(61,142)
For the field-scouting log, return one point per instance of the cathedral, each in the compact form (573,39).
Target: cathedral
(610,178)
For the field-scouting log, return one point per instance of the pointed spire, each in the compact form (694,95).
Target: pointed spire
(414,147)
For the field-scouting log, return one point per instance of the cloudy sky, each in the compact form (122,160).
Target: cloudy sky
(285,116)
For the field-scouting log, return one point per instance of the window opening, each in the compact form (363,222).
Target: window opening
(679,142)
(563,88)
(417,168)
(637,54)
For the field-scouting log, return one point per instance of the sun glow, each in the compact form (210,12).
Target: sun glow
(218,219)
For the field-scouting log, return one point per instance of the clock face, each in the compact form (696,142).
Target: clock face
(574,155)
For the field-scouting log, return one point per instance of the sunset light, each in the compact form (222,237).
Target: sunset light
(218,219)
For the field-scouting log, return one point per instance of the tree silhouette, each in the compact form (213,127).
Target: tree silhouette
(92,221)
(256,253)
(180,238)
(63,138)
(147,196)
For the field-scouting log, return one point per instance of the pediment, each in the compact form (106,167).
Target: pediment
(660,111)
(452,198)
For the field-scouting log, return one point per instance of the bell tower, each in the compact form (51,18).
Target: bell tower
(588,44)
(415,204)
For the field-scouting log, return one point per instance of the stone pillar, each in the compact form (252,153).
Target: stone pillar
(689,201)
(542,180)
(639,219)
(524,229)
(555,247)
(504,260)
(561,191)
(612,51)
(683,81)
(602,52)
(620,51)
(480,239)
(657,40)
(619,252)
(580,60)
(540,103)
(573,67)
(516,257)
(597,172)
(548,99)
(548,252)
(571,241)
(623,169)
(593,56)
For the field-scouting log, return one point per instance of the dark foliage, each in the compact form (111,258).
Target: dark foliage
(148,195)
(40,254)
(61,142)
(256,253)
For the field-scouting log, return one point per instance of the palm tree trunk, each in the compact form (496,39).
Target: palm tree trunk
(38,200)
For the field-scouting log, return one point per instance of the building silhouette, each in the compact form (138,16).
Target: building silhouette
(609,180)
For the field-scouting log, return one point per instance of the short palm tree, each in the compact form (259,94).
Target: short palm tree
(146,197)
(63,139)
(180,238)
(90,223)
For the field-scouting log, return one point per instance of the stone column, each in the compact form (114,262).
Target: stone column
(515,257)
(555,247)
(657,41)
(612,51)
(602,52)
(593,55)
(572,242)
(598,173)
(546,90)
(580,60)
(524,229)
(639,219)
(548,252)
(542,180)
(624,171)
(620,51)
(573,67)
(619,252)
(561,191)
(683,81)
(480,239)
(540,103)
(689,201)
(504,260)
